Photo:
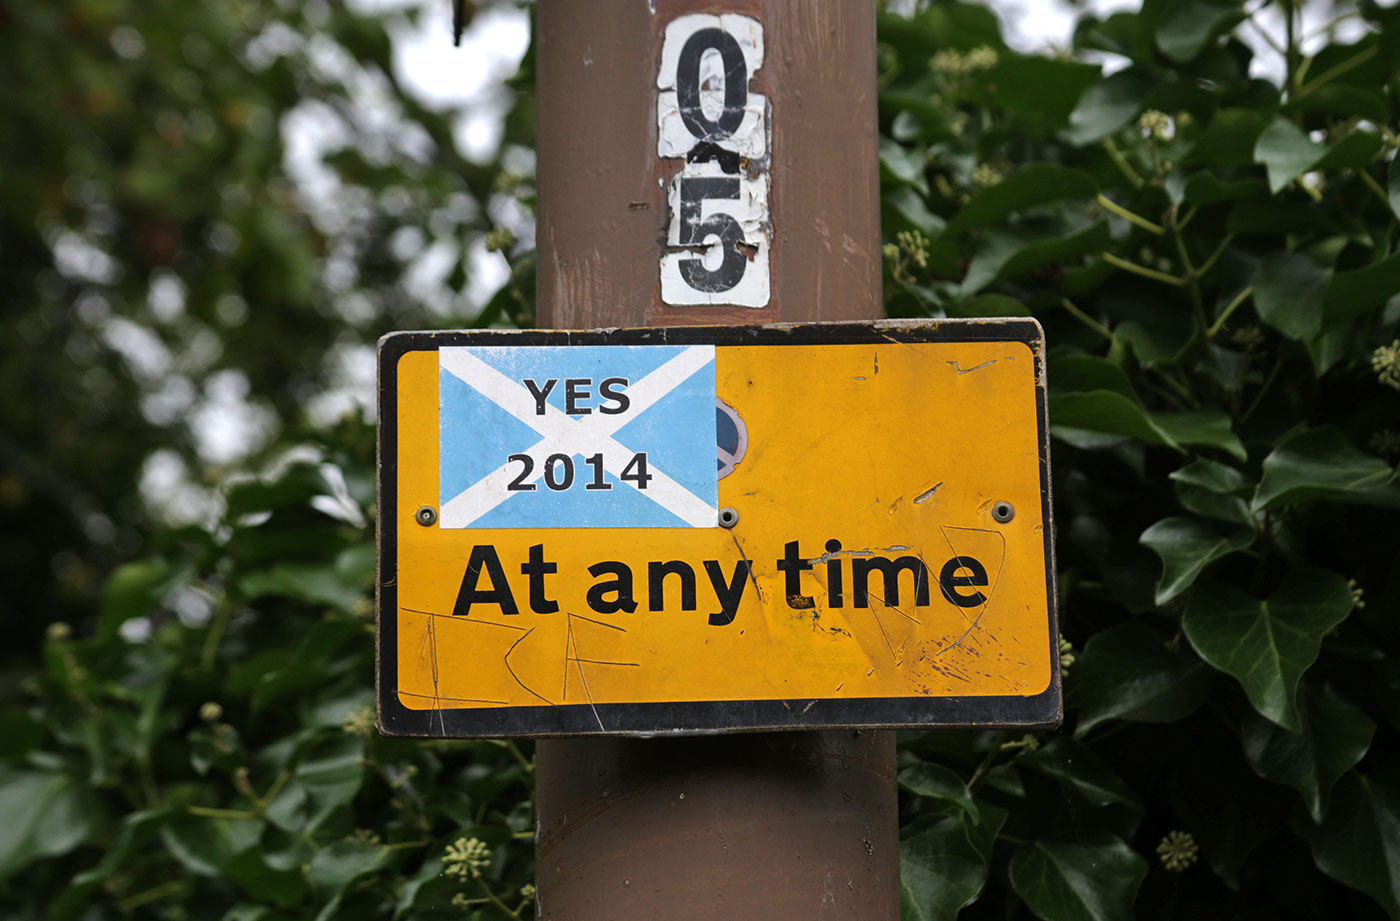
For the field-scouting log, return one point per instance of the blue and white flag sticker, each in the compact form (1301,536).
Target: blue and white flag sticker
(609,436)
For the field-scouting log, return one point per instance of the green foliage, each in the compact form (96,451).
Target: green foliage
(1213,257)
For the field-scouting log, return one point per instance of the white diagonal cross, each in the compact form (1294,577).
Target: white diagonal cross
(562,434)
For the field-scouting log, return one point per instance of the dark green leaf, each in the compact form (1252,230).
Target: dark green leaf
(910,205)
(1211,428)
(1267,645)
(902,165)
(341,862)
(1393,185)
(1078,768)
(1358,843)
(342,584)
(1187,547)
(939,783)
(1029,185)
(1214,490)
(1092,878)
(1286,152)
(1126,672)
(1289,291)
(1104,412)
(1335,736)
(1229,139)
(1353,151)
(944,867)
(205,845)
(331,771)
(988,305)
(1013,255)
(131,591)
(1107,106)
(43,813)
(1321,463)
(1355,293)
(1189,24)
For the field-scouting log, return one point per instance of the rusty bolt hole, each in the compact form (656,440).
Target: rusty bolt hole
(1003,512)
(728,518)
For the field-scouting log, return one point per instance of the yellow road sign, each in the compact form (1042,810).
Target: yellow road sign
(715,529)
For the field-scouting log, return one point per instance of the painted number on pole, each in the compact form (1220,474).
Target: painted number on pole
(708,117)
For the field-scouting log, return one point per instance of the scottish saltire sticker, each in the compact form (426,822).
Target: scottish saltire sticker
(612,436)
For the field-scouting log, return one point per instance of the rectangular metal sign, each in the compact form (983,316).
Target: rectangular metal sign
(715,529)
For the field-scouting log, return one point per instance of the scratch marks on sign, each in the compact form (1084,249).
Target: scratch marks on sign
(991,589)
(517,677)
(748,566)
(433,653)
(572,655)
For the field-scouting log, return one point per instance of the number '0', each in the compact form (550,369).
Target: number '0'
(736,84)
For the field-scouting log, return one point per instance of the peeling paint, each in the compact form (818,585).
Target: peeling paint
(927,494)
(961,370)
(869,551)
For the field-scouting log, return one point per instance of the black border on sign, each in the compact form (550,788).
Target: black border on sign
(1041,711)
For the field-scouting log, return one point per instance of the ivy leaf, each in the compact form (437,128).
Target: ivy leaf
(1289,292)
(1107,106)
(1321,463)
(988,305)
(1127,673)
(1336,734)
(1228,140)
(902,165)
(1214,490)
(1086,773)
(944,867)
(131,591)
(1267,645)
(910,205)
(1355,293)
(1286,152)
(331,772)
(934,781)
(1189,25)
(1392,174)
(44,813)
(207,846)
(1221,802)
(1107,413)
(1094,878)
(1358,844)
(1210,428)
(1187,547)
(1029,185)
(341,862)
(1091,394)
(341,584)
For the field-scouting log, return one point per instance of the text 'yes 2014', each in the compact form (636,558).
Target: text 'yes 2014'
(558,470)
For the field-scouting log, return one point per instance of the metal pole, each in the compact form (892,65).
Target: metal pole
(778,825)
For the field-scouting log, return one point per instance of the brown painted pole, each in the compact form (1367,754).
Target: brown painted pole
(772,826)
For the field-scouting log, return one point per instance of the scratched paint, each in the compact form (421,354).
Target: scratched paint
(865,563)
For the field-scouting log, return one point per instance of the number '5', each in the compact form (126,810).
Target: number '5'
(694,231)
